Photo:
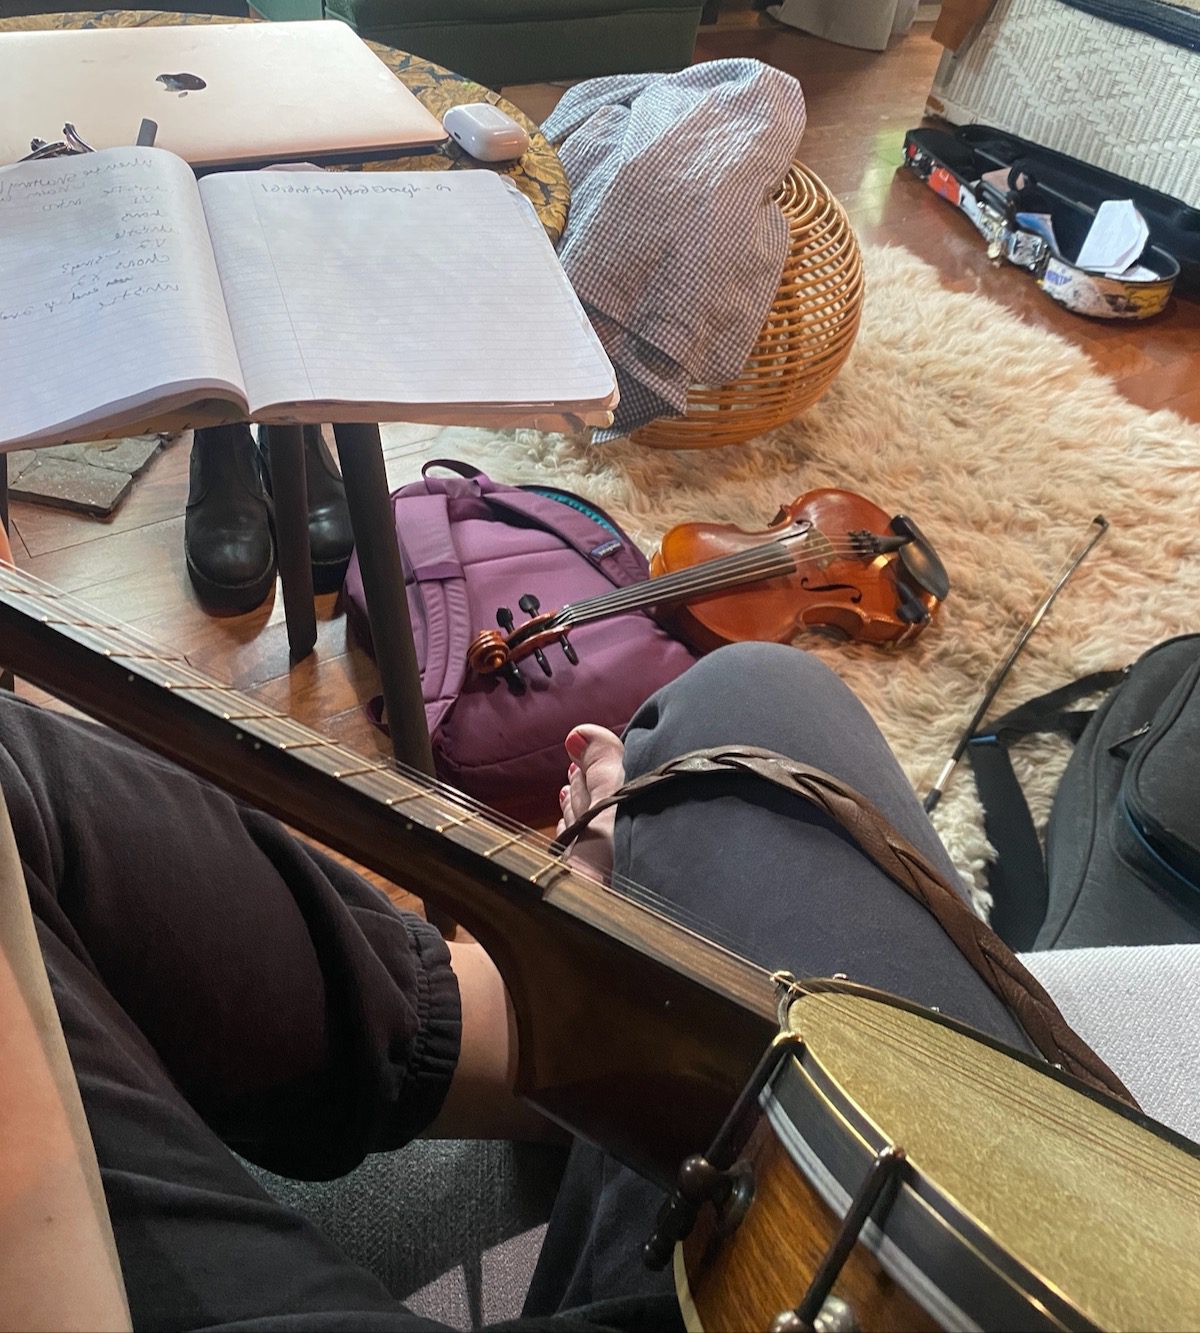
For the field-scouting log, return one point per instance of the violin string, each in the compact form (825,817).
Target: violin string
(771,560)
(675,587)
(122,635)
(766,555)
(651,592)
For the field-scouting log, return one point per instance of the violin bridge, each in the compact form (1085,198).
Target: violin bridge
(818,546)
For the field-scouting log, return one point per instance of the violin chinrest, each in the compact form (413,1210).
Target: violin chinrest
(920,559)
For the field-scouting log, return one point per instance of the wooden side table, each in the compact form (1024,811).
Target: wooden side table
(540,177)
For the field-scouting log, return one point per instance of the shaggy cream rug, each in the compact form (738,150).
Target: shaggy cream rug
(1002,442)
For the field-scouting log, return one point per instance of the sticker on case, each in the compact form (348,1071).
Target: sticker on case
(943,183)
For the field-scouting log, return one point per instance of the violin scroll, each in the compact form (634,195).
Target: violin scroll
(488,653)
(493,654)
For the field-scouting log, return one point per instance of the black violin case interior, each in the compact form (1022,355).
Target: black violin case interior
(953,161)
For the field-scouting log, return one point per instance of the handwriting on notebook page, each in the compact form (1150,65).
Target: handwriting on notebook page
(130,294)
(425,288)
(113,241)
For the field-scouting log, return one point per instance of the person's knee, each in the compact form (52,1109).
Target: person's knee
(774,671)
(764,694)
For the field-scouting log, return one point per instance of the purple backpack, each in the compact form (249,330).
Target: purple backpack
(470,546)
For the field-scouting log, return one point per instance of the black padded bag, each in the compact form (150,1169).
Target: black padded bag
(1122,856)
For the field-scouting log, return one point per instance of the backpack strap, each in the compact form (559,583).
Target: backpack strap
(452,465)
(599,540)
(434,576)
(1017,878)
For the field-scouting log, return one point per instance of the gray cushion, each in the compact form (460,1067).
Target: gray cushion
(1139,1009)
(452,1227)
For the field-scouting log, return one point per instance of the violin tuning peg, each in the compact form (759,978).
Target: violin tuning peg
(569,650)
(513,679)
(504,618)
(540,658)
(529,604)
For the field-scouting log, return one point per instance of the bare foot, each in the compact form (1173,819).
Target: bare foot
(597,770)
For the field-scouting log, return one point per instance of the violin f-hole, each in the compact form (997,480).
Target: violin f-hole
(855,593)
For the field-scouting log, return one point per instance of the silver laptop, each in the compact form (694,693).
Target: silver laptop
(222,94)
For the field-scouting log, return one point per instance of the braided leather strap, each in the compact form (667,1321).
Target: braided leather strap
(987,953)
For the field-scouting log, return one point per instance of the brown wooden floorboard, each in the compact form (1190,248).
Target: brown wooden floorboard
(859,106)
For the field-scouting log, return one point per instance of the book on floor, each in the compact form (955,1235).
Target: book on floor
(134,297)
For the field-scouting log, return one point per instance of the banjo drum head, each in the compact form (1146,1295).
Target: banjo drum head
(1025,1202)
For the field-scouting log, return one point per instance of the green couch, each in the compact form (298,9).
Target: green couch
(498,42)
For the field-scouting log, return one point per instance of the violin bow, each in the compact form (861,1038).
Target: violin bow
(1096,530)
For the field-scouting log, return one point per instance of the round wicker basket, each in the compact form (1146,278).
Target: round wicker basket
(806,338)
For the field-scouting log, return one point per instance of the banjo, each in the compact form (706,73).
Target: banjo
(835,1158)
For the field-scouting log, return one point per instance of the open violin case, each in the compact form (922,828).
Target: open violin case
(954,162)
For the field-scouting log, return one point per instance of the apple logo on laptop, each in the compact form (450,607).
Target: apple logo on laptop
(181,83)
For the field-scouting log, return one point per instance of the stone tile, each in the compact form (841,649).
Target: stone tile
(92,477)
(72,485)
(128,455)
(20,460)
(68,453)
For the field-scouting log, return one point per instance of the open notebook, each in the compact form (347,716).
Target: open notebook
(134,296)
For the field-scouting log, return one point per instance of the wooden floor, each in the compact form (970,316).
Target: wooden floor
(859,106)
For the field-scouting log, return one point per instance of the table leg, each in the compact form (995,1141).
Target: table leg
(360,455)
(290,491)
(7,681)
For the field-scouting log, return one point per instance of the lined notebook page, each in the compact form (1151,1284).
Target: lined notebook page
(389,290)
(109,296)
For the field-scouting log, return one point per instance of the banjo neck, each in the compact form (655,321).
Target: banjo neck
(619,1007)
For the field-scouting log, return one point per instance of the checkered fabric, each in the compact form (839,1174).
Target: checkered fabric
(674,243)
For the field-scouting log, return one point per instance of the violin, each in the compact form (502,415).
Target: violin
(831,560)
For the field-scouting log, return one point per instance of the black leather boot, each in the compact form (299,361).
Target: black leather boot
(227,535)
(330,538)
